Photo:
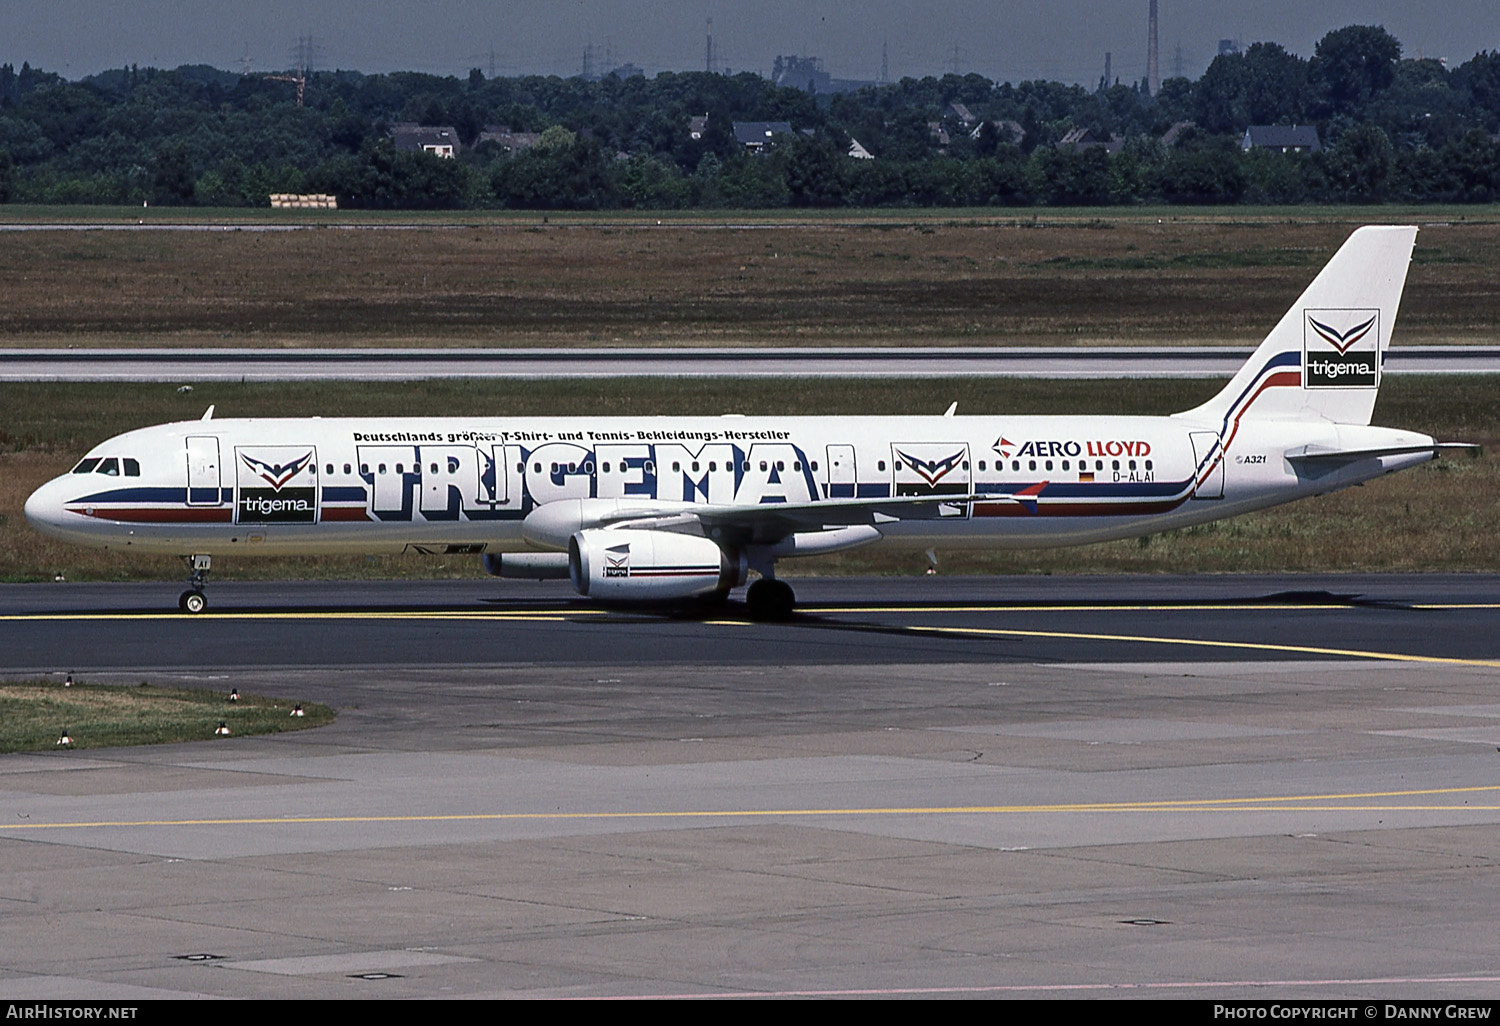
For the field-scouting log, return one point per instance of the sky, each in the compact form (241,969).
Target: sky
(1004,40)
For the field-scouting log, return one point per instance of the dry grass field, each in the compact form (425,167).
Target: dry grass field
(1442,516)
(900,279)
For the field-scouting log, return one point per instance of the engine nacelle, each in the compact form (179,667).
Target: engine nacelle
(642,566)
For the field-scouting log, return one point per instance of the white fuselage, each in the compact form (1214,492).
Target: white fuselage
(368,485)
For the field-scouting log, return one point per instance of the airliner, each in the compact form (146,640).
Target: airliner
(677,508)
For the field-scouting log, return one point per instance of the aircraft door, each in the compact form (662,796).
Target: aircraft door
(1208,465)
(843,482)
(203,471)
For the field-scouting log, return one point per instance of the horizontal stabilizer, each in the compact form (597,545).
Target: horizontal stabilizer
(1314,454)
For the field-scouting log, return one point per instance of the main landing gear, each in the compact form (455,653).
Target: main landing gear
(193,600)
(770,599)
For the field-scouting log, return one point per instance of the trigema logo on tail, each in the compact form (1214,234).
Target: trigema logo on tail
(278,484)
(1341,349)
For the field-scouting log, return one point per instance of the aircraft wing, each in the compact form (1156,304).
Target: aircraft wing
(770,521)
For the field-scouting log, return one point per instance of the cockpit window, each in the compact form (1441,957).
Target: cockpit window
(132,467)
(86,466)
(110,467)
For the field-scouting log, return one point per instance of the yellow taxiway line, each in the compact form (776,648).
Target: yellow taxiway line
(565,615)
(1349,802)
(1259,646)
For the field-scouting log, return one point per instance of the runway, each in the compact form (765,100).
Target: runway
(198,365)
(1209,787)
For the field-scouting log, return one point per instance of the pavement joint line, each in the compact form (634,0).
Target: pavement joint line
(1283,803)
(1044,988)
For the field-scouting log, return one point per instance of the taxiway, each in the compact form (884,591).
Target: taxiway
(1207,787)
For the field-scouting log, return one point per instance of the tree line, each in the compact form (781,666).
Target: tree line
(1393,129)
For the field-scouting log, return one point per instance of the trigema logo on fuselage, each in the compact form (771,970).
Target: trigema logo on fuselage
(278,484)
(1341,349)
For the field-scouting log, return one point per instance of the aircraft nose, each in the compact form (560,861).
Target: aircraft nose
(44,507)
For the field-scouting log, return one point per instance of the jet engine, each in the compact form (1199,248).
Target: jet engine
(636,565)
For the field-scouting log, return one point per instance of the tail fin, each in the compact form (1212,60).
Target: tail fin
(1323,361)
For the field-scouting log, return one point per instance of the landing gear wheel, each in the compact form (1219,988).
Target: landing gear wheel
(770,600)
(193,600)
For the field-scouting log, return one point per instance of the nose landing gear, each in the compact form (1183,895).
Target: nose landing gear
(194,600)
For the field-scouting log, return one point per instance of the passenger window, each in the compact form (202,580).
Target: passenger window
(981,465)
(1049,464)
(1116,465)
(572,468)
(588,466)
(966,465)
(676,467)
(132,467)
(1132,464)
(713,465)
(536,468)
(399,467)
(763,465)
(364,468)
(434,468)
(346,469)
(1148,464)
(110,466)
(796,466)
(606,468)
(882,464)
(650,467)
(814,466)
(330,470)
(780,464)
(382,468)
(86,466)
(695,466)
(1015,464)
(1065,464)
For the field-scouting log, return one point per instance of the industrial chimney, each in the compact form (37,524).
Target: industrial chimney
(1153,69)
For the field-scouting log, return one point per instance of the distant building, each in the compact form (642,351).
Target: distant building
(961,114)
(304,201)
(804,73)
(755,135)
(697,125)
(808,75)
(1286,138)
(439,140)
(510,142)
(1079,139)
(857,151)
